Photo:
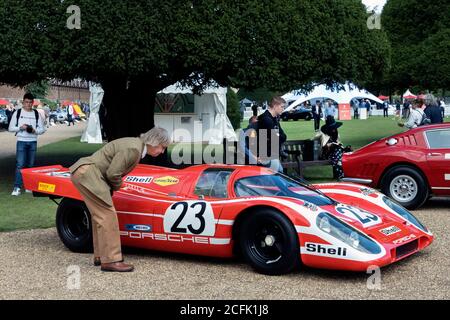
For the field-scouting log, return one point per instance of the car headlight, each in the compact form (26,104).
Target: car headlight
(345,233)
(404,213)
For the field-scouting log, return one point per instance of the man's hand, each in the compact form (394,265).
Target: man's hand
(24,127)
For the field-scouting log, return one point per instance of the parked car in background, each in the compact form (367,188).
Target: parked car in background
(297,113)
(58,116)
(409,167)
(3,119)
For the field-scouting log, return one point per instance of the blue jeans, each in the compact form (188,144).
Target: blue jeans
(25,155)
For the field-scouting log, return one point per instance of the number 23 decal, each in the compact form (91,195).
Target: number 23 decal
(190,217)
(367,219)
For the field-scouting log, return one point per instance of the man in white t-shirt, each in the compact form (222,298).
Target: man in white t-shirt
(27,124)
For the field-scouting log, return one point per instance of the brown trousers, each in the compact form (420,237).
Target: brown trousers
(105,225)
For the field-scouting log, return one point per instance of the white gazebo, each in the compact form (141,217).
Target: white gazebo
(92,133)
(342,96)
(208,122)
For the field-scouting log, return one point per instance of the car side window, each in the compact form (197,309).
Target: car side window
(213,183)
(438,139)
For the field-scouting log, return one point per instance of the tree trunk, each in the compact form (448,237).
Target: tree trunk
(129,107)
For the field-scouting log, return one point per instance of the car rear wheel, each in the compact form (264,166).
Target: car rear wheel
(308,117)
(73,223)
(269,242)
(406,186)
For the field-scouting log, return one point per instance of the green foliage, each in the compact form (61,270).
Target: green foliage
(135,48)
(277,44)
(258,95)
(39,89)
(233,110)
(419,34)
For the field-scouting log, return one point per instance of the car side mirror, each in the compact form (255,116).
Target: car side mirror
(391,142)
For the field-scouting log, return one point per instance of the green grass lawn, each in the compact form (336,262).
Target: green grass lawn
(26,212)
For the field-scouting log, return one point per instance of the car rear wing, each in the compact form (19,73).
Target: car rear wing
(51,181)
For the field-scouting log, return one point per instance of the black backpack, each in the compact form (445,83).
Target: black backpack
(425,120)
(19,111)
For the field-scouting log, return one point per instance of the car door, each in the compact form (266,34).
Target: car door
(438,159)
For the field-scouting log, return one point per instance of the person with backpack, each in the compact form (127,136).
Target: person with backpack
(27,124)
(417,116)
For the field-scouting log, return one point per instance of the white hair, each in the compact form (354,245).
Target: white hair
(155,137)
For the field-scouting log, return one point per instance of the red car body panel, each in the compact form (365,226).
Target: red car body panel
(151,200)
(374,160)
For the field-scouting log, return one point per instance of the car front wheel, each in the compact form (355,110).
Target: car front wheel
(406,186)
(73,223)
(269,242)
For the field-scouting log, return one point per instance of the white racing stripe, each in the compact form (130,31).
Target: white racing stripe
(219,221)
(219,241)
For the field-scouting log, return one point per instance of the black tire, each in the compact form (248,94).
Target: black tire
(73,223)
(308,117)
(282,256)
(411,198)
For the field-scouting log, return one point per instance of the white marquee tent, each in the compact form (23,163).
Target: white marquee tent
(93,134)
(209,122)
(343,96)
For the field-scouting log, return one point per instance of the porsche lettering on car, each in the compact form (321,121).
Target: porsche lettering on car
(274,222)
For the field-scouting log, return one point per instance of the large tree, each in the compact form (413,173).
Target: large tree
(135,48)
(419,32)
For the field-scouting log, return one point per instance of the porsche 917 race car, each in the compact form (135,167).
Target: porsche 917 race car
(274,222)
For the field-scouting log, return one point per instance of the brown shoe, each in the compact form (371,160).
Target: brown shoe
(97,261)
(117,267)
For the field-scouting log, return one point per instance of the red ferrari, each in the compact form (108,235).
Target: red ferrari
(409,167)
(275,222)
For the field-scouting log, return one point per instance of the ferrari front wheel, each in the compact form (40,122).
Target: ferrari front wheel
(406,186)
(269,242)
(73,223)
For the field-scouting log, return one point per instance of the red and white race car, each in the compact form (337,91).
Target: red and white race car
(408,167)
(275,222)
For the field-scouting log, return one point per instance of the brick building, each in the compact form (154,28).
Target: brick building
(75,90)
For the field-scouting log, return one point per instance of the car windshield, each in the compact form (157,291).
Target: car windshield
(2,112)
(280,186)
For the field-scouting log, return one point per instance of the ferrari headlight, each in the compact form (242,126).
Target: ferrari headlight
(347,234)
(404,213)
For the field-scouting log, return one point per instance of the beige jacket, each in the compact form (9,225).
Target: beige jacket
(109,164)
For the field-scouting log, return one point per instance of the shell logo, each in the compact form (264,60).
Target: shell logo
(166,181)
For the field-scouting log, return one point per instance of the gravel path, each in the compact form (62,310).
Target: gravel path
(36,265)
(53,134)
